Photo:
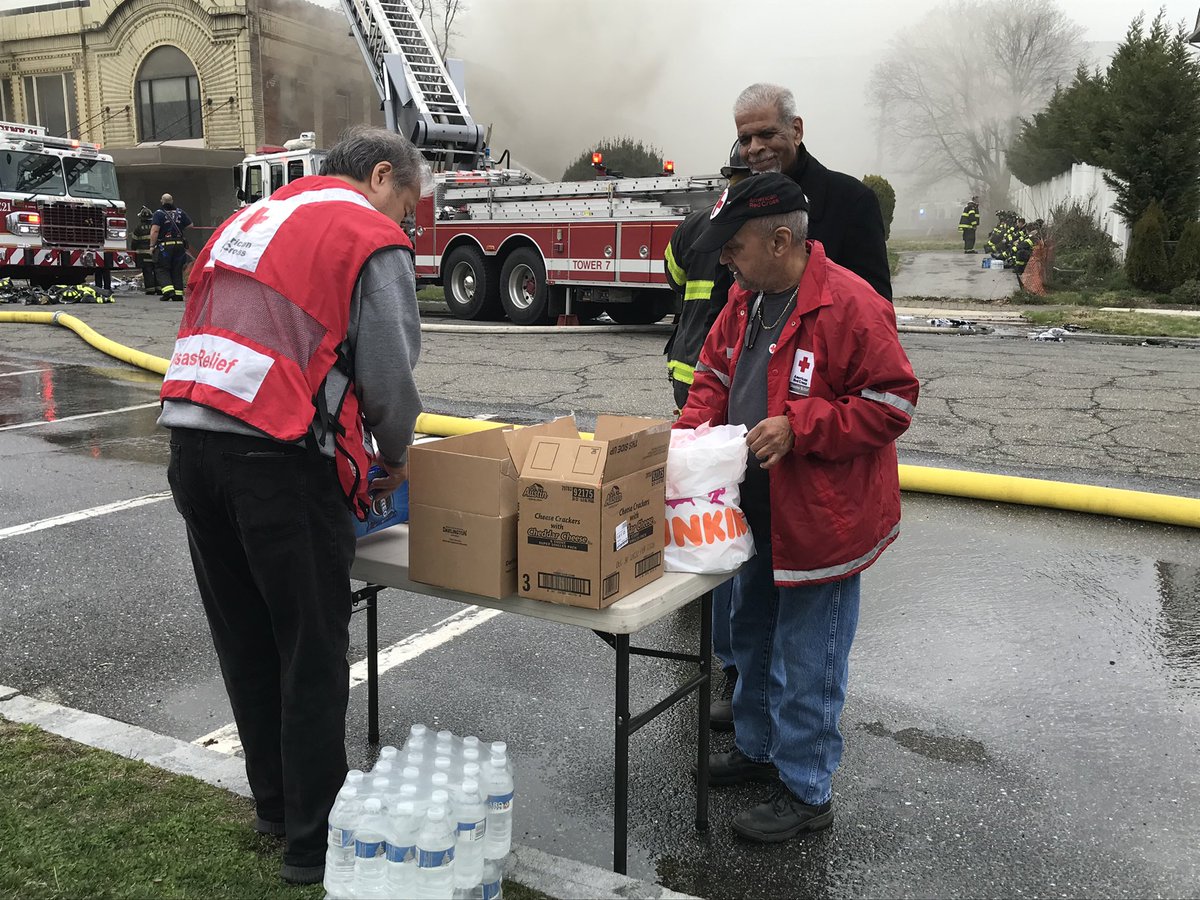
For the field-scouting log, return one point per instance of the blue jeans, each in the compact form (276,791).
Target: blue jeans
(792,649)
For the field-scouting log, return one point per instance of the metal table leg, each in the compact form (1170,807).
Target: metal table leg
(704,699)
(621,773)
(367,598)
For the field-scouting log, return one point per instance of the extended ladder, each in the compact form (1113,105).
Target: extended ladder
(419,98)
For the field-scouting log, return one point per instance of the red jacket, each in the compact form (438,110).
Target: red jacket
(267,313)
(839,374)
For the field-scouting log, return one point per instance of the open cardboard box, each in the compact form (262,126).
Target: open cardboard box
(462,531)
(591,512)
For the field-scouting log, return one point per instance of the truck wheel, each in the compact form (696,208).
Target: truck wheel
(647,308)
(470,284)
(523,289)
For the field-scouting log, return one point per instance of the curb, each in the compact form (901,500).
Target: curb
(555,876)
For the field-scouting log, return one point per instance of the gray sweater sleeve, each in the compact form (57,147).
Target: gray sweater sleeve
(385,342)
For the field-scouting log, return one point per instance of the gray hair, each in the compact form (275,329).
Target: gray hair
(764,94)
(796,222)
(360,148)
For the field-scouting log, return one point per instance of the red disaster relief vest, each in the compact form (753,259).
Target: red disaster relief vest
(267,313)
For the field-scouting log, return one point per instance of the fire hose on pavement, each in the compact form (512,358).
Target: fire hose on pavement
(1125,504)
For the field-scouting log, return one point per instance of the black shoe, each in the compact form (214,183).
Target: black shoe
(163,297)
(735,767)
(720,710)
(302,874)
(781,818)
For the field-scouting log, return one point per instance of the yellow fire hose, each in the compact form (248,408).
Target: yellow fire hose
(1102,501)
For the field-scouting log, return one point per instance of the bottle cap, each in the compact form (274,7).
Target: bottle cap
(407,791)
(410,773)
(471,741)
(499,747)
(437,813)
(440,779)
(470,754)
(348,792)
(354,776)
(445,737)
(405,808)
(383,767)
(442,763)
(381,784)
(372,805)
(388,752)
(439,798)
(418,730)
(470,786)
(471,770)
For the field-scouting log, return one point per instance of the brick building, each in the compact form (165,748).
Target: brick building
(177,90)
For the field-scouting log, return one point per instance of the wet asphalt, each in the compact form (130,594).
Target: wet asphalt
(1024,706)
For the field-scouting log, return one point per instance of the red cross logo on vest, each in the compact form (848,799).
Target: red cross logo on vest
(803,363)
(254,218)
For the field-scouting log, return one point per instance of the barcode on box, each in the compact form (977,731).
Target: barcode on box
(610,585)
(649,564)
(564,584)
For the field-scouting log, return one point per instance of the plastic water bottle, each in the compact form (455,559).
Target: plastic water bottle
(435,853)
(370,852)
(500,806)
(389,753)
(381,787)
(403,825)
(382,770)
(493,880)
(470,815)
(339,857)
(354,779)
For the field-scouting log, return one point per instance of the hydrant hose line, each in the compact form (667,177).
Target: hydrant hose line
(1104,501)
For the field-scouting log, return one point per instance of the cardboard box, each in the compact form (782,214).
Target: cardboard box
(462,529)
(591,511)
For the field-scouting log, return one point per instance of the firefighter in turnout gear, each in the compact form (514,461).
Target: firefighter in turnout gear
(169,247)
(968,222)
(139,244)
(701,283)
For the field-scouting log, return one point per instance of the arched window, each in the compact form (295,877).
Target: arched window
(168,94)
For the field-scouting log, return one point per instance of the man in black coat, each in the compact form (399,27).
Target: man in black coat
(843,212)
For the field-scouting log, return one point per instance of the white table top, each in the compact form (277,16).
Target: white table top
(382,558)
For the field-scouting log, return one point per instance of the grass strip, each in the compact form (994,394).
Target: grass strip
(80,822)
(1136,324)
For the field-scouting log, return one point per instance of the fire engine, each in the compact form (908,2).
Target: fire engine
(61,217)
(499,243)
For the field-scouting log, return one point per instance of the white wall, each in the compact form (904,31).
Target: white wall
(1084,184)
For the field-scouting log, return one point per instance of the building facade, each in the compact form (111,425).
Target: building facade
(178,90)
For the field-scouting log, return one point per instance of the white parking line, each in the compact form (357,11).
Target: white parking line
(107,412)
(225,739)
(23,372)
(68,518)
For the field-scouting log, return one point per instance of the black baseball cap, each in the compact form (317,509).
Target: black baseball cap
(769,194)
(735,165)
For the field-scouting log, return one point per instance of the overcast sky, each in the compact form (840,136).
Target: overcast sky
(553,76)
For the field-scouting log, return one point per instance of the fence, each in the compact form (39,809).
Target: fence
(1083,184)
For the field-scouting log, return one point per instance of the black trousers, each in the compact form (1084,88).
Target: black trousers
(168,269)
(271,542)
(968,235)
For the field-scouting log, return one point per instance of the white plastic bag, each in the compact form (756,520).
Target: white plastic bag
(706,531)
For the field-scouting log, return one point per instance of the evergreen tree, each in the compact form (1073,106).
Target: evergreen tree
(1062,134)
(1150,137)
(1185,264)
(1146,260)
(631,158)
(886,195)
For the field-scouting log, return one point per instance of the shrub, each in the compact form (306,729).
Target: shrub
(1185,264)
(1084,256)
(1187,293)
(887,199)
(1146,261)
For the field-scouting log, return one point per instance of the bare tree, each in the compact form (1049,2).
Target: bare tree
(439,17)
(952,88)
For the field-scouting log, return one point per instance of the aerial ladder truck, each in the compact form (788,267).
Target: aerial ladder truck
(500,244)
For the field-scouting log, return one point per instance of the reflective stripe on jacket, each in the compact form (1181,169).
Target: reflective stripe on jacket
(702,283)
(266,317)
(839,374)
